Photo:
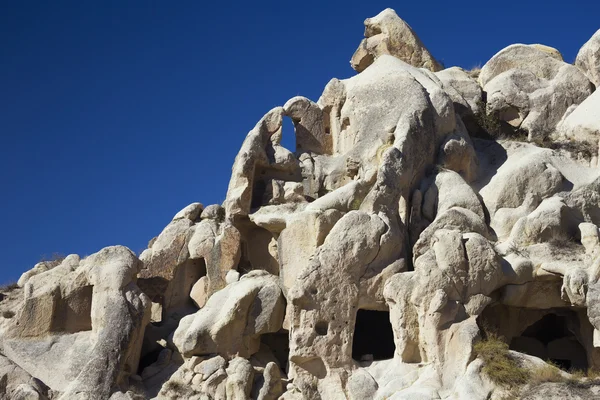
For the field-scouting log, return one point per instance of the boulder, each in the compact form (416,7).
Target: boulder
(191,212)
(465,92)
(530,89)
(386,33)
(240,376)
(528,170)
(549,222)
(458,154)
(233,319)
(583,123)
(588,59)
(37,269)
(448,190)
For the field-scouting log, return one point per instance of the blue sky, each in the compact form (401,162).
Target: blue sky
(116,114)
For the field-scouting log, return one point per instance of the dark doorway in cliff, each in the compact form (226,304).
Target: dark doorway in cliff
(551,339)
(279,344)
(373,336)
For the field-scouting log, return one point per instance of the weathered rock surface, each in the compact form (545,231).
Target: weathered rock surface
(588,59)
(583,123)
(530,89)
(65,331)
(464,91)
(386,33)
(367,264)
(233,319)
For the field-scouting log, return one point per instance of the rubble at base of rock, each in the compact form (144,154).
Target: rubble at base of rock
(365,265)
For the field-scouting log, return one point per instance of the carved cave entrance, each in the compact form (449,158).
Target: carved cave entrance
(551,339)
(562,335)
(279,344)
(373,336)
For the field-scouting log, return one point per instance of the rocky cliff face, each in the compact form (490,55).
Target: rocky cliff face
(433,236)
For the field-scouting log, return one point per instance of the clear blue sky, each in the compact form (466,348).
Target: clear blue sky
(116,114)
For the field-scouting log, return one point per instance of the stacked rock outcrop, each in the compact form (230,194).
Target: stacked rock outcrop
(424,210)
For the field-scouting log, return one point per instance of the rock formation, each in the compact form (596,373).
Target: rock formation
(426,213)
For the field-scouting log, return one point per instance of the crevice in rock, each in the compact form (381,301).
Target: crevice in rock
(148,359)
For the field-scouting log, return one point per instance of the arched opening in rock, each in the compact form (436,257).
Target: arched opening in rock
(288,135)
(551,339)
(373,336)
(279,344)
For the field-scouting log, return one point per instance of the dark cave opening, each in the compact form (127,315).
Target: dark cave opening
(373,336)
(148,359)
(258,191)
(551,339)
(279,344)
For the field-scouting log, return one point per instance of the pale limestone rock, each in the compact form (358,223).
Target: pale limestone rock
(232,276)
(199,293)
(168,273)
(233,319)
(361,385)
(240,377)
(272,386)
(214,211)
(548,222)
(101,357)
(530,89)
(219,246)
(588,59)
(26,392)
(458,154)
(16,383)
(322,282)
(208,367)
(387,205)
(216,384)
(554,53)
(457,218)
(589,236)
(505,218)
(449,190)
(168,251)
(303,235)
(464,91)
(530,170)
(164,358)
(583,123)
(191,212)
(311,133)
(260,152)
(37,269)
(386,33)
(574,288)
